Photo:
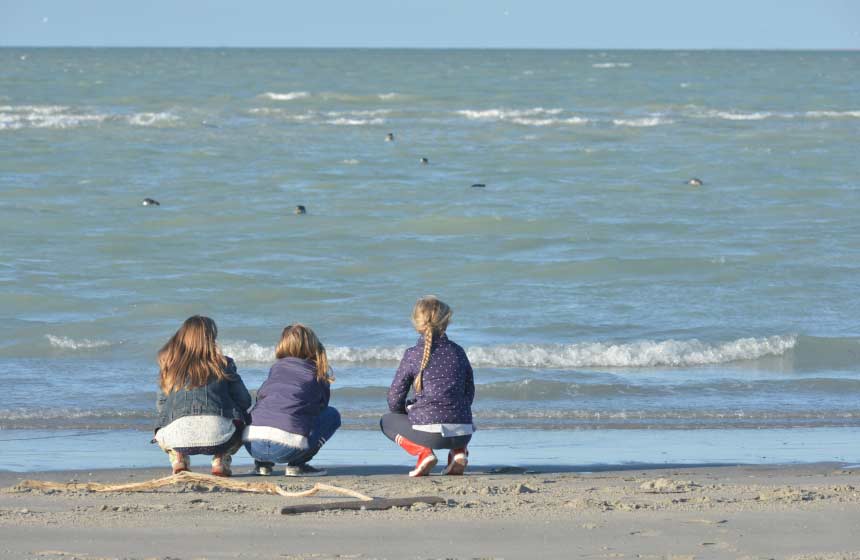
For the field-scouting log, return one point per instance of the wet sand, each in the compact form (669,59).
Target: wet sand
(805,511)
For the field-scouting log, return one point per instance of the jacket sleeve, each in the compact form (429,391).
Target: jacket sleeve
(238,392)
(470,380)
(325,390)
(160,402)
(399,389)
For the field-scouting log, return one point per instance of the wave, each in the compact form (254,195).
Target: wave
(328,95)
(504,114)
(612,65)
(67,343)
(15,117)
(354,122)
(485,418)
(736,115)
(832,114)
(642,122)
(290,96)
(151,119)
(647,353)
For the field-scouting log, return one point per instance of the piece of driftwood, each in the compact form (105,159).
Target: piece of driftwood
(187,477)
(374,504)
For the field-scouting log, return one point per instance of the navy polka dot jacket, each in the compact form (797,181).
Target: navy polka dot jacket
(448,384)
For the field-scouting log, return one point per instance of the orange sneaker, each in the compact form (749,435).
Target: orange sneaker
(426,458)
(458,459)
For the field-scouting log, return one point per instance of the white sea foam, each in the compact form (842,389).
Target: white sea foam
(612,65)
(548,122)
(13,117)
(503,114)
(289,96)
(244,351)
(350,162)
(832,114)
(388,96)
(648,353)
(642,122)
(67,343)
(354,122)
(151,119)
(645,353)
(359,113)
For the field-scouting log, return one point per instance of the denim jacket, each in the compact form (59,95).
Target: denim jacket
(228,398)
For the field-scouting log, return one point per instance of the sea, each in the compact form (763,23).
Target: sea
(614,313)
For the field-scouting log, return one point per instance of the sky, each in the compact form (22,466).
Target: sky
(603,24)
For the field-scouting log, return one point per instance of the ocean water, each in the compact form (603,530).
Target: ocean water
(593,288)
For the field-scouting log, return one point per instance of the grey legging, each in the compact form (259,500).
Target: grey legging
(394,424)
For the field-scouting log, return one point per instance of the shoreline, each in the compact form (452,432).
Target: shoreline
(41,450)
(786,511)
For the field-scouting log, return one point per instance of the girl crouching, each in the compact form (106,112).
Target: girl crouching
(440,414)
(202,402)
(292,420)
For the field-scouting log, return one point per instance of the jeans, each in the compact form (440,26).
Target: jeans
(325,426)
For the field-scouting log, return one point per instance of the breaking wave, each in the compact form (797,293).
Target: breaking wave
(67,343)
(16,117)
(290,96)
(646,353)
(642,122)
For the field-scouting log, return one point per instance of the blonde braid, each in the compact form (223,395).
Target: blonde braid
(428,342)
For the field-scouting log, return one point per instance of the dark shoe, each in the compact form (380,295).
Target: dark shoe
(304,470)
(263,468)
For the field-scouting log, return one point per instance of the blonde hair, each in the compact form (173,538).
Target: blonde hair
(299,341)
(191,358)
(430,316)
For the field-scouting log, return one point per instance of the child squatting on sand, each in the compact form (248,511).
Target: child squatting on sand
(440,415)
(292,419)
(202,401)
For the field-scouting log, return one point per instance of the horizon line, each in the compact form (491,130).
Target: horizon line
(452,48)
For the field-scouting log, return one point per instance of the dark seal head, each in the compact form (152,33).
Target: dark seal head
(424,161)
(150,202)
(694,182)
(389,137)
(300,210)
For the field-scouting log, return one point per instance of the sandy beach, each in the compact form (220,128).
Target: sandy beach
(808,511)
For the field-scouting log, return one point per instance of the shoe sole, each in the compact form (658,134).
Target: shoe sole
(457,466)
(177,470)
(320,473)
(222,473)
(425,467)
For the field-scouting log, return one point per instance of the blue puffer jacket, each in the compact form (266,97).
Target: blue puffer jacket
(228,398)
(291,398)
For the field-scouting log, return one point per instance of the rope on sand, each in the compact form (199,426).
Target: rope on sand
(205,480)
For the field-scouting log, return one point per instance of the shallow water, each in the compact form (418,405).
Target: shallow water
(592,287)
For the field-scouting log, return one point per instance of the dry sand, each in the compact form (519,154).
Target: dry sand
(810,511)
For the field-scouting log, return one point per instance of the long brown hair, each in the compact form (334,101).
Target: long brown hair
(430,316)
(191,358)
(299,341)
